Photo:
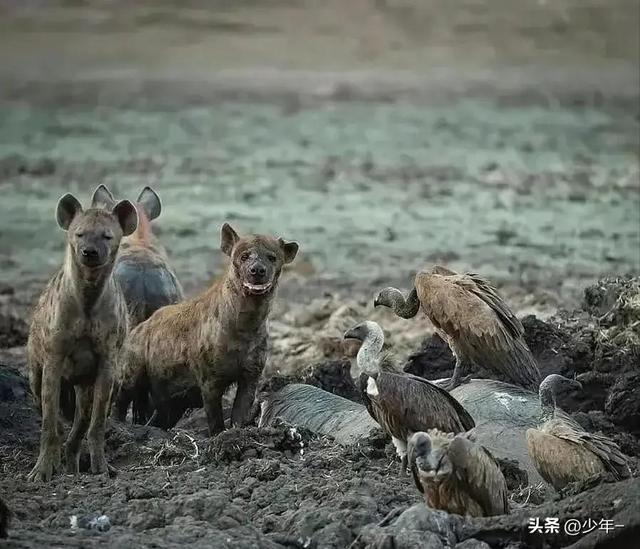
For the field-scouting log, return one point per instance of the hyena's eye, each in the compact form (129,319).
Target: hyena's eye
(244,256)
(79,234)
(107,236)
(272,257)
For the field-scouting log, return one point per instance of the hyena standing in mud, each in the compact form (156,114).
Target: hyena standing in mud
(205,344)
(148,283)
(76,331)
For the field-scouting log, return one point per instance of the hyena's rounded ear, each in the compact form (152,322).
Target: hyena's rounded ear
(102,198)
(68,208)
(290,250)
(228,239)
(150,202)
(127,216)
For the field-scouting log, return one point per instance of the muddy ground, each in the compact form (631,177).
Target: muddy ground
(281,486)
(500,137)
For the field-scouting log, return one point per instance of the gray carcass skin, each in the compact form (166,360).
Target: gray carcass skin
(321,412)
(502,413)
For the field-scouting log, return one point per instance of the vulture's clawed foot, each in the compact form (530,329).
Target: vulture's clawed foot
(454,382)
(391,516)
(465,379)
(450,384)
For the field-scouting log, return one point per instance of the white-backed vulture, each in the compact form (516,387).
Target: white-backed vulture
(562,451)
(402,403)
(457,475)
(479,327)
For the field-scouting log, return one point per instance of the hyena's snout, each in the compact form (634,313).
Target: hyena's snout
(258,273)
(90,254)
(93,254)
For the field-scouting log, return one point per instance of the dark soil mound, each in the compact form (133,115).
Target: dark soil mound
(13,330)
(19,424)
(333,376)
(434,360)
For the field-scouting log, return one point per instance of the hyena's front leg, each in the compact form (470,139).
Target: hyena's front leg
(122,397)
(212,391)
(243,403)
(49,456)
(81,421)
(128,366)
(95,436)
(35,384)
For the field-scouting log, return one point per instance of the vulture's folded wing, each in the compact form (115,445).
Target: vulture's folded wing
(477,471)
(603,447)
(483,328)
(421,405)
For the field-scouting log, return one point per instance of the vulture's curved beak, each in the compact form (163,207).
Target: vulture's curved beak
(351,333)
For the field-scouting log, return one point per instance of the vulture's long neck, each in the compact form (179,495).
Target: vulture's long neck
(404,307)
(547,402)
(368,358)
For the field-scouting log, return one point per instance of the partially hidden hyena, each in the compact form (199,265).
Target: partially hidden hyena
(142,267)
(77,329)
(148,283)
(203,345)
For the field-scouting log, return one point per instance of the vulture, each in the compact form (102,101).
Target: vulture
(402,403)
(457,475)
(562,451)
(470,315)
